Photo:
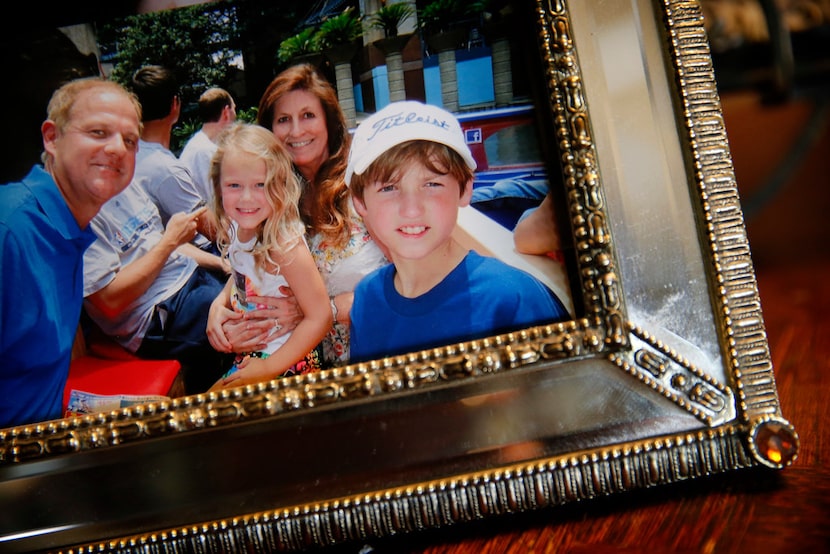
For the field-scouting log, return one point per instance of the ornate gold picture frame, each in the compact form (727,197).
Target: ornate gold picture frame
(664,374)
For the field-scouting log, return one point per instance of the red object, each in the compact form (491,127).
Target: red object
(110,369)
(479,126)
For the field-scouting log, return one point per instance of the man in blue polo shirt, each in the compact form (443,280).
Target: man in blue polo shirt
(90,140)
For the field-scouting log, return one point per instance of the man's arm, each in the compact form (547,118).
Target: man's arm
(135,278)
(205,259)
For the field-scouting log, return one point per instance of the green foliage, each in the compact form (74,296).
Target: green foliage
(304,42)
(343,28)
(196,42)
(390,16)
(201,44)
(183,131)
(439,15)
(248,115)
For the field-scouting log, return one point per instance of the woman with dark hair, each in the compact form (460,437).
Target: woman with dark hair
(300,107)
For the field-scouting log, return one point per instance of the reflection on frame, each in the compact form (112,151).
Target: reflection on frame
(662,375)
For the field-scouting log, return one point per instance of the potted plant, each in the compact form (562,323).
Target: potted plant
(304,44)
(433,18)
(388,19)
(390,16)
(344,28)
(497,16)
(439,22)
(338,36)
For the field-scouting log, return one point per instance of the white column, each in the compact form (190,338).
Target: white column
(345,91)
(449,80)
(394,74)
(502,72)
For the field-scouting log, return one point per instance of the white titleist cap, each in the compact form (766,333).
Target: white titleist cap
(401,122)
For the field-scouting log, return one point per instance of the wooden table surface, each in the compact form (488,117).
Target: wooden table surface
(755,510)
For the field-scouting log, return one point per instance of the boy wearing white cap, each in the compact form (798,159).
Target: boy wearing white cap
(409,172)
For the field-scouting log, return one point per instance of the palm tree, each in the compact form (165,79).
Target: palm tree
(390,16)
(304,42)
(338,37)
(441,15)
(344,28)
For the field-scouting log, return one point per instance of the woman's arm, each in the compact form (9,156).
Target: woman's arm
(251,331)
(342,305)
(537,233)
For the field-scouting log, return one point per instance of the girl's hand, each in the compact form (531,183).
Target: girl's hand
(251,371)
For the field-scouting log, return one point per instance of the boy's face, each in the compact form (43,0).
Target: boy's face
(416,215)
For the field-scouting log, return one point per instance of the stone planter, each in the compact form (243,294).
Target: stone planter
(390,45)
(496,30)
(341,57)
(449,40)
(497,34)
(313,58)
(342,53)
(445,44)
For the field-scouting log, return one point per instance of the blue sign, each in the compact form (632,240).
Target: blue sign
(472,136)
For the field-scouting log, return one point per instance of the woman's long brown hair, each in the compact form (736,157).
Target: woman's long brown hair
(324,204)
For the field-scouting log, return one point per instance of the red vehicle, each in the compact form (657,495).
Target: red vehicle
(502,138)
(511,176)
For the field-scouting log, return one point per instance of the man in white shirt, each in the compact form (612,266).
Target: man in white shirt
(217,110)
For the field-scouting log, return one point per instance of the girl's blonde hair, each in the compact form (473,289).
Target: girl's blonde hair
(284,229)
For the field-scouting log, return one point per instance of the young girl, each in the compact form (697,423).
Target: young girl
(259,230)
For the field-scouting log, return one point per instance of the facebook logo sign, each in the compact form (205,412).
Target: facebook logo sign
(472,136)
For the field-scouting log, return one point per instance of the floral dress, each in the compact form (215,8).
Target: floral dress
(342,269)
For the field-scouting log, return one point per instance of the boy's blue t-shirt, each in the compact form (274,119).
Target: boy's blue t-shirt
(481,297)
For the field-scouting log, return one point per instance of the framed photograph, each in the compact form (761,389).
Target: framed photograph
(662,375)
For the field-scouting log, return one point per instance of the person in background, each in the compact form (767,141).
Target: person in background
(409,172)
(217,110)
(300,106)
(158,171)
(90,139)
(259,228)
